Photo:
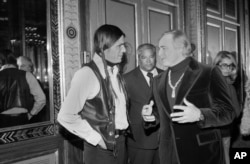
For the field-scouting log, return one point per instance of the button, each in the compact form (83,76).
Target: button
(111,133)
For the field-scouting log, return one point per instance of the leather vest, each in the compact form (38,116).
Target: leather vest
(99,112)
(14,90)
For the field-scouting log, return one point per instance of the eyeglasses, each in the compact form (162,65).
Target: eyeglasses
(227,66)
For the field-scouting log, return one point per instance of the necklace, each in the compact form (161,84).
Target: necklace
(176,84)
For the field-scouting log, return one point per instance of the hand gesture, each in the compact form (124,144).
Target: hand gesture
(147,112)
(189,113)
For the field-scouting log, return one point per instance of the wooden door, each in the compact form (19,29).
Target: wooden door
(143,21)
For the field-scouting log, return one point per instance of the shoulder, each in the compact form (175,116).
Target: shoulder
(28,74)
(204,68)
(132,73)
(85,70)
(159,70)
(160,75)
(84,74)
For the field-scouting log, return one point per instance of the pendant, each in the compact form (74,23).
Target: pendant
(173,93)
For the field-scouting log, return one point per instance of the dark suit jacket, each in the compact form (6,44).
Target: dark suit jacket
(139,93)
(198,142)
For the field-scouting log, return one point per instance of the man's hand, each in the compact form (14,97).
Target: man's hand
(189,113)
(102,144)
(147,112)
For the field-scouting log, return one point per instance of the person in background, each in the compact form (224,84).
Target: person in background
(227,64)
(21,97)
(192,101)
(143,147)
(25,63)
(95,108)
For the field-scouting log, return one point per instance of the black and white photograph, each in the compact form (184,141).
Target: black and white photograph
(124,82)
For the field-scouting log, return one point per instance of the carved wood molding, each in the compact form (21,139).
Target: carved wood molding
(71,40)
(26,134)
(22,133)
(195,26)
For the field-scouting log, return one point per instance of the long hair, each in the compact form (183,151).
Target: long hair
(104,38)
(225,54)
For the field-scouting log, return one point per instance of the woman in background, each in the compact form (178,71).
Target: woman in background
(228,66)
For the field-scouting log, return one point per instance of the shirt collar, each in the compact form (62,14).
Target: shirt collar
(154,72)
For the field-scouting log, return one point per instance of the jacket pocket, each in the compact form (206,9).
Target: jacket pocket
(208,137)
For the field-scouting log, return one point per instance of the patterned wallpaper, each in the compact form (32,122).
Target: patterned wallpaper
(71,40)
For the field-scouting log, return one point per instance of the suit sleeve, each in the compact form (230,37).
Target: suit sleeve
(221,111)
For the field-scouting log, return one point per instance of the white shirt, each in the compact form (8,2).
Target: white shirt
(85,86)
(120,102)
(154,72)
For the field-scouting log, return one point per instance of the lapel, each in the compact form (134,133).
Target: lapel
(162,91)
(191,75)
(143,85)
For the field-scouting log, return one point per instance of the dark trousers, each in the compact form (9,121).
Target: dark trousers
(143,156)
(97,155)
(7,120)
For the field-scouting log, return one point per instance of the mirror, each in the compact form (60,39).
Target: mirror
(29,28)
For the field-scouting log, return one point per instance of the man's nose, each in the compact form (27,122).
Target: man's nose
(148,60)
(123,49)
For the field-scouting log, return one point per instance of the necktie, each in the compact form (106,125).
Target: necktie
(150,75)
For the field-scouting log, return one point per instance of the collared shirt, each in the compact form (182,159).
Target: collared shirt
(120,102)
(154,72)
(84,86)
(35,90)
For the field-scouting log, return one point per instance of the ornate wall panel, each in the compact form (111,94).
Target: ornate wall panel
(56,98)
(195,26)
(71,42)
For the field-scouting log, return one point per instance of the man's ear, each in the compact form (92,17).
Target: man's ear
(105,52)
